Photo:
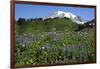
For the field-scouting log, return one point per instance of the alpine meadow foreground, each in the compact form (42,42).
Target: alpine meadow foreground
(53,41)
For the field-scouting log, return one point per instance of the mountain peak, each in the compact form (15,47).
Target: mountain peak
(62,14)
(59,11)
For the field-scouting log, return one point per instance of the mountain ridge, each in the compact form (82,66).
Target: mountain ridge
(62,14)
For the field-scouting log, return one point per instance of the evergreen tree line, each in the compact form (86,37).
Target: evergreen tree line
(20,21)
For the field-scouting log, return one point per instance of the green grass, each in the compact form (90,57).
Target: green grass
(55,41)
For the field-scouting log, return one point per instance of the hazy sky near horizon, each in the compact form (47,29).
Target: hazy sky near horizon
(35,11)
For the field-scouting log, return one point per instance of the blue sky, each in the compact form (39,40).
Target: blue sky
(35,11)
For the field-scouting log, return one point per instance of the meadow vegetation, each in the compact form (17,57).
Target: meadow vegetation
(53,41)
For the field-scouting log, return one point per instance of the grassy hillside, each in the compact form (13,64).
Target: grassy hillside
(49,25)
(53,41)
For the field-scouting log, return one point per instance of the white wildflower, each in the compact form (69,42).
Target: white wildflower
(43,47)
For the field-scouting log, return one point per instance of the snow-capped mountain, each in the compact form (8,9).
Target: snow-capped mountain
(62,14)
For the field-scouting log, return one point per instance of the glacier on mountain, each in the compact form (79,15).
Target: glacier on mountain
(61,14)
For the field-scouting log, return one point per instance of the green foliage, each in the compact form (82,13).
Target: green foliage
(55,41)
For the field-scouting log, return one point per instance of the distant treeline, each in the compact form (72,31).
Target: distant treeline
(23,20)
